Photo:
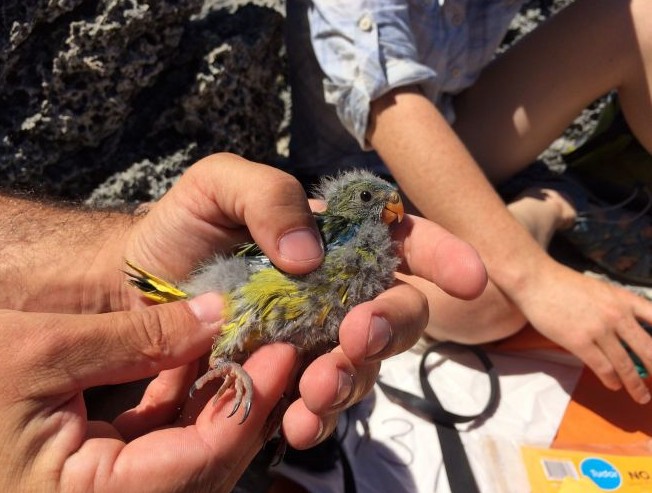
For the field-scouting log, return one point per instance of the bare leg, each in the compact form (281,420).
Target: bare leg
(525,100)
(528,96)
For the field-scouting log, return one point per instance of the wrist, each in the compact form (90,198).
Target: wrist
(59,258)
(102,282)
(519,276)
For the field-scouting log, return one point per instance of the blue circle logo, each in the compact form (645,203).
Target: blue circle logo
(602,473)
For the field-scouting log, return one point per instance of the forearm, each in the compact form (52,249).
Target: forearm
(443,181)
(58,258)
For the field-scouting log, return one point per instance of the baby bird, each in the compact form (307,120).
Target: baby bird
(265,305)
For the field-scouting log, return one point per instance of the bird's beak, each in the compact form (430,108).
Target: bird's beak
(393,210)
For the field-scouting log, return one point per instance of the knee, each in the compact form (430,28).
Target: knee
(487,319)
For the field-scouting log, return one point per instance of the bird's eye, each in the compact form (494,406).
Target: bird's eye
(365,196)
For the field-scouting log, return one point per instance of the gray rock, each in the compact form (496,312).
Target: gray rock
(94,92)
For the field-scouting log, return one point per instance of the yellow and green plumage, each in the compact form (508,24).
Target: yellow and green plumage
(265,305)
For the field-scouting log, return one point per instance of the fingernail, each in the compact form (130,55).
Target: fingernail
(645,399)
(207,307)
(301,245)
(380,333)
(344,388)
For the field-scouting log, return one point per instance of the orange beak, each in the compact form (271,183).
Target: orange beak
(393,210)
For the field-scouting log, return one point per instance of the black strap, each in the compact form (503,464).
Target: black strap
(456,462)
(347,471)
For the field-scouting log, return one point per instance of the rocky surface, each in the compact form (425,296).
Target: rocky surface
(111,100)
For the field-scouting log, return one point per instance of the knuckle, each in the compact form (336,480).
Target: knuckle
(212,160)
(408,310)
(616,318)
(581,343)
(606,373)
(625,368)
(147,335)
(283,188)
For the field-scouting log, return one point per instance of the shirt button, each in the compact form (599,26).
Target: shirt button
(456,72)
(365,23)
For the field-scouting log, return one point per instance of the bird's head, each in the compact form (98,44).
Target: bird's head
(359,195)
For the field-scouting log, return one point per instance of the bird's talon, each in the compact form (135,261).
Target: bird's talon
(236,406)
(247,410)
(235,377)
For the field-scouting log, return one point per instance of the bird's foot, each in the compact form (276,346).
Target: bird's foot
(234,377)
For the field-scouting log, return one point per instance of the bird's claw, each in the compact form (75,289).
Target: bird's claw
(234,377)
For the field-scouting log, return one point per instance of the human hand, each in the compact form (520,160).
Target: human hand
(201,214)
(383,327)
(592,319)
(586,316)
(49,359)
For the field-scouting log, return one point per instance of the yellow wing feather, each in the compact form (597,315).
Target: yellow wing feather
(153,287)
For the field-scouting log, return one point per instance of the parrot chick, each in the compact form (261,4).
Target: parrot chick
(265,305)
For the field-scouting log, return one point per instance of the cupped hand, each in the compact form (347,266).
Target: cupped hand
(383,327)
(370,332)
(218,203)
(49,445)
(224,200)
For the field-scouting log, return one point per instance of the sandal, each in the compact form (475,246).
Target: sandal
(612,236)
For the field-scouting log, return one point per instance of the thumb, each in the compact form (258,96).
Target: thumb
(431,252)
(81,351)
(214,204)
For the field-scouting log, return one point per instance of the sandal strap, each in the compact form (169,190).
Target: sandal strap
(594,214)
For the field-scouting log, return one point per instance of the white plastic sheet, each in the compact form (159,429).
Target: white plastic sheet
(392,450)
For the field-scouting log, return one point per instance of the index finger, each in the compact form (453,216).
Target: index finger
(431,252)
